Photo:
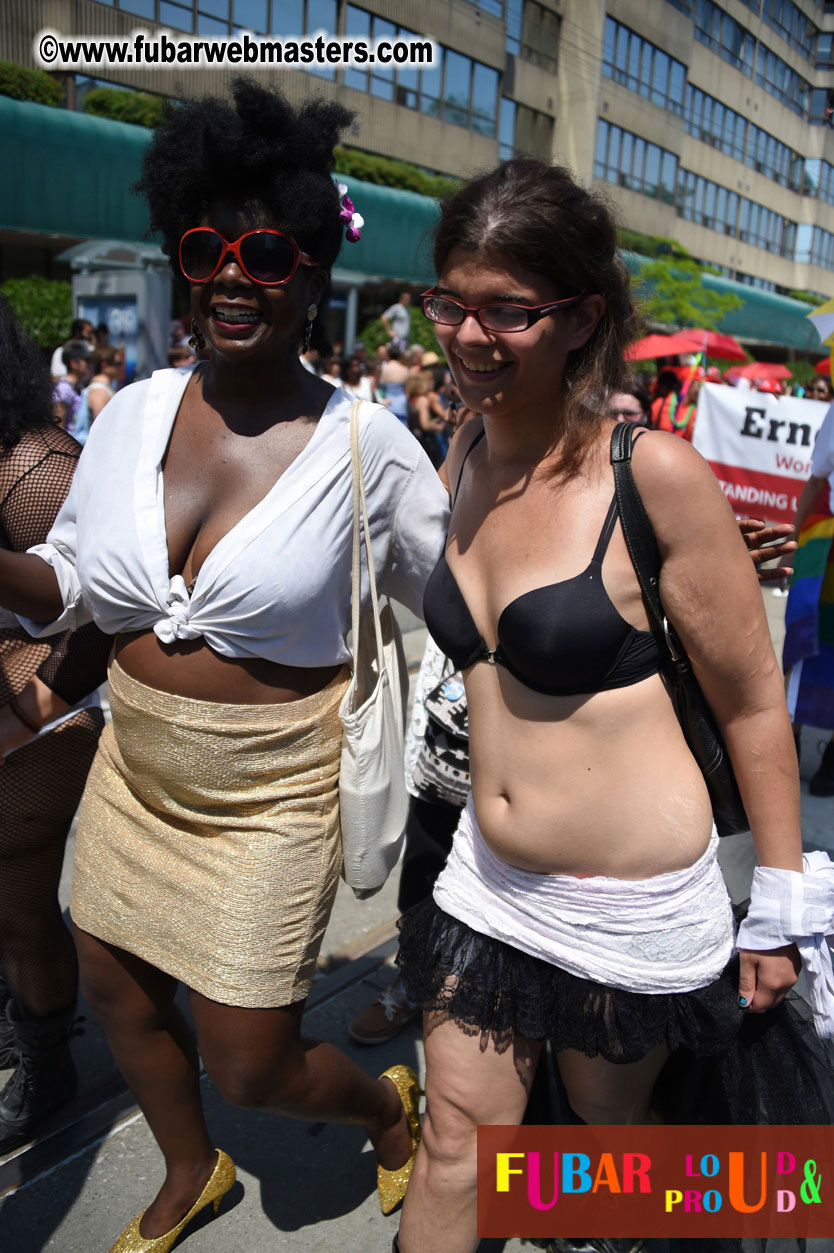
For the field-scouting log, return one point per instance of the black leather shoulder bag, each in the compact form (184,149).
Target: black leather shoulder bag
(694,714)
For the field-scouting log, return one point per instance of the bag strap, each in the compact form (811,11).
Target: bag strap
(360,522)
(637,529)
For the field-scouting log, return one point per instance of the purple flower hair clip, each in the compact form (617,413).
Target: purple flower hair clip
(347,214)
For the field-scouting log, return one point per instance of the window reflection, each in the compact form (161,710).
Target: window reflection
(642,67)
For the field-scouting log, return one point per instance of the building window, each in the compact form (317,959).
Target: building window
(177,16)
(684,6)
(819,180)
(765,229)
(791,23)
(821,109)
(455,88)
(540,36)
(707,203)
(484,98)
(814,246)
(142,8)
(824,56)
(723,35)
(777,78)
(495,7)
(640,66)
(629,161)
(533,132)
(515,22)
(753,280)
(773,159)
(709,120)
(247,14)
(506,129)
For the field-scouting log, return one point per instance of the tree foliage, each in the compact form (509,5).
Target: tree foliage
(650,245)
(43,305)
(422,332)
(23,84)
(136,107)
(673,293)
(370,168)
(807,297)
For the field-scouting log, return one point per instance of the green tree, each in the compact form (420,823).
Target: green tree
(650,245)
(43,305)
(673,293)
(23,84)
(368,167)
(136,107)
(422,332)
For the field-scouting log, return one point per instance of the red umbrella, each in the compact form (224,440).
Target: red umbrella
(770,370)
(657,346)
(713,343)
(824,366)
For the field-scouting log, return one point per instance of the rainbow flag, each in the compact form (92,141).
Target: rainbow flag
(809,625)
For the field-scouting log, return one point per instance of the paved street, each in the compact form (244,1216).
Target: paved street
(301,1187)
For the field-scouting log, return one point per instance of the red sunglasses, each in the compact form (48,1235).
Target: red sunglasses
(265,256)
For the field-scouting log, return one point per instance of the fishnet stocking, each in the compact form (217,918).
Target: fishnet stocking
(41,783)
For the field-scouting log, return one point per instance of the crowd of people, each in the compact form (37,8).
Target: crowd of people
(582,907)
(86,371)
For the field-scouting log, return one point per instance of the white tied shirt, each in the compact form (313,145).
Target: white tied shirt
(277,586)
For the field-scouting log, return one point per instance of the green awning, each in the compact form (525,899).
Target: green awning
(70,174)
(764,317)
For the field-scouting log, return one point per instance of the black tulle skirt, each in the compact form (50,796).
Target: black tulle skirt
(726,1066)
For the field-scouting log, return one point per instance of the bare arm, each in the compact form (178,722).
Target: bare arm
(38,704)
(31,496)
(97,397)
(709,590)
(29,586)
(424,414)
(808,499)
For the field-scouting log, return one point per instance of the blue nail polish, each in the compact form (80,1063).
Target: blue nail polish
(743,1002)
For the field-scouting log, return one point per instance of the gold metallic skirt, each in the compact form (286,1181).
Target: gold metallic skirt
(208,838)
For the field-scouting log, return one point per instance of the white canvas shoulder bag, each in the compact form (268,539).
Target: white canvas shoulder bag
(373,800)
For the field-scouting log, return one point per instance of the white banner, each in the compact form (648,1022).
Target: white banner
(759,447)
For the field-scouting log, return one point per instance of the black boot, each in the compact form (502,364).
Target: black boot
(45,1078)
(822,783)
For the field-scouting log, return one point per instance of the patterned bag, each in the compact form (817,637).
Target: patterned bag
(441,771)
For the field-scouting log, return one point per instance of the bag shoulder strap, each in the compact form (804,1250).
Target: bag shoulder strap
(475,441)
(361,522)
(637,528)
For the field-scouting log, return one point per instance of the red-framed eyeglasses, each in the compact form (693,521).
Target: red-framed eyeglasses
(265,256)
(501,318)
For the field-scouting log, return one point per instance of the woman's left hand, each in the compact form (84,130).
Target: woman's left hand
(756,535)
(766,977)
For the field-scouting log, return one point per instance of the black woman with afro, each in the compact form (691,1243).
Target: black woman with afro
(209,530)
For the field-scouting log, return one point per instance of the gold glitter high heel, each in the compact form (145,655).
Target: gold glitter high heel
(219,1182)
(391,1184)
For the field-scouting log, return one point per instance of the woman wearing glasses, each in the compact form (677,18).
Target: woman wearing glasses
(582,901)
(209,530)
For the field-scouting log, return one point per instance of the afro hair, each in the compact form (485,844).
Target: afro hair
(260,151)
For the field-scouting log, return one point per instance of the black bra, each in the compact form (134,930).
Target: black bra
(566,639)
